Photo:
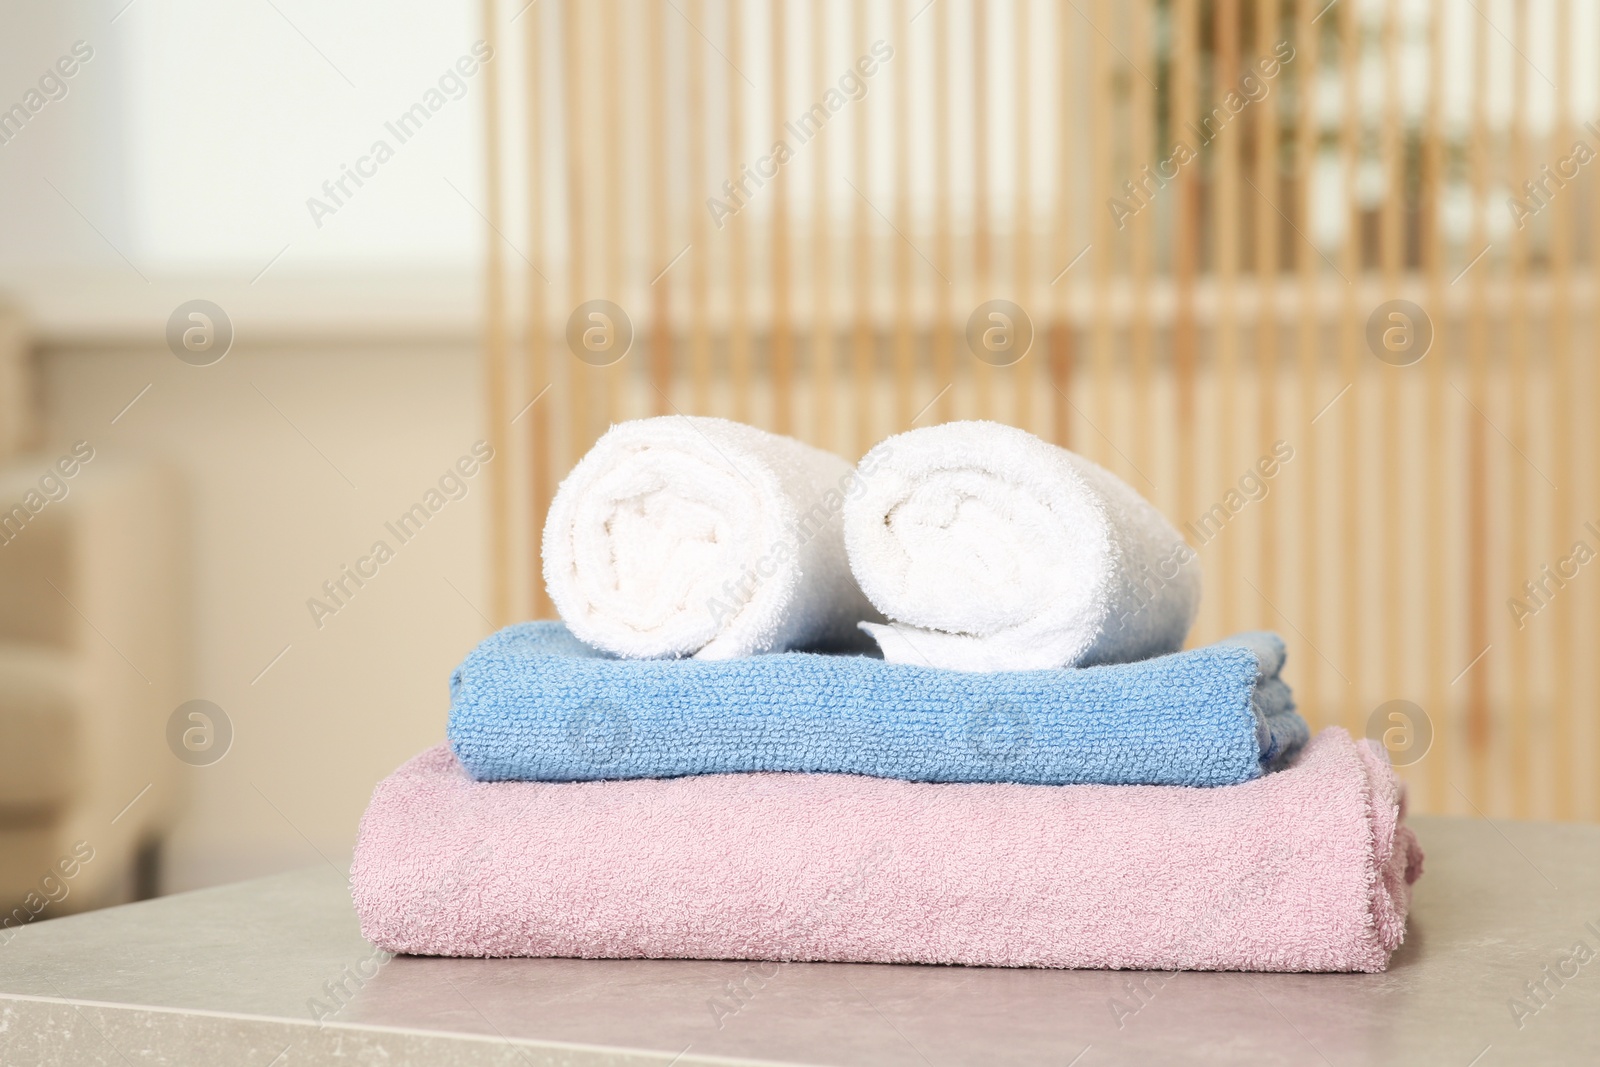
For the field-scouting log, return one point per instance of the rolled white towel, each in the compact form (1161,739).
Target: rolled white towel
(680,536)
(990,549)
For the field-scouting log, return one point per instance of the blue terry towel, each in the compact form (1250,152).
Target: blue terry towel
(532,702)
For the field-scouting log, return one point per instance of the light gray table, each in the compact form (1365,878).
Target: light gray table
(228,976)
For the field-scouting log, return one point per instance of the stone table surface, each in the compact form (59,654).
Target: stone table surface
(247,974)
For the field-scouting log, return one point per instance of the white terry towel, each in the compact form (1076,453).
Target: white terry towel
(993,550)
(679,536)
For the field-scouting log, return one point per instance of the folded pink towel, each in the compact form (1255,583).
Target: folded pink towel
(1308,869)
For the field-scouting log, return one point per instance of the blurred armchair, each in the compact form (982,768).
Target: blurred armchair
(90,668)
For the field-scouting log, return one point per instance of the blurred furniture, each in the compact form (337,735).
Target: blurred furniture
(16,402)
(180,979)
(91,645)
(1189,309)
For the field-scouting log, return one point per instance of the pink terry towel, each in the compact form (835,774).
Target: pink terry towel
(1308,869)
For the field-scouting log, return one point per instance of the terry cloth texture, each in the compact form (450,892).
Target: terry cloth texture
(681,536)
(1308,869)
(990,549)
(534,703)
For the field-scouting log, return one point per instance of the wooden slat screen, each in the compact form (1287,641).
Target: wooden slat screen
(1192,306)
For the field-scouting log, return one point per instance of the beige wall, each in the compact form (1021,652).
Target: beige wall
(272,520)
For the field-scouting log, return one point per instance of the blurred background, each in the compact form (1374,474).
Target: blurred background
(1317,278)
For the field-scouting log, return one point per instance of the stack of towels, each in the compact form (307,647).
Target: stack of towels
(708,759)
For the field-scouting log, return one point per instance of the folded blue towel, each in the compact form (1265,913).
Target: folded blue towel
(532,702)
